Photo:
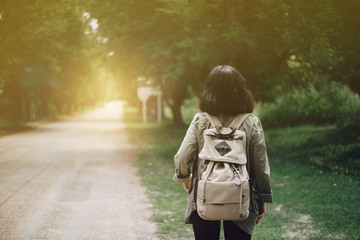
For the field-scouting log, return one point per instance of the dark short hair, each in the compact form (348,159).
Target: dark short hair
(225,92)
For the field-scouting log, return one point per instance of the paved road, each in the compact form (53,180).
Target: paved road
(72,180)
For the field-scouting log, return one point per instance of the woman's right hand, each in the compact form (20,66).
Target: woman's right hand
(186,184)
(262,212)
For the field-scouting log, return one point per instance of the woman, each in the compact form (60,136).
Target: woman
(225,95)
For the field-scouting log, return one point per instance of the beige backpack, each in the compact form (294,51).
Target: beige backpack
(223,189)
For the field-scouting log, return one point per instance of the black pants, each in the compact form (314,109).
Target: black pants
(210,230)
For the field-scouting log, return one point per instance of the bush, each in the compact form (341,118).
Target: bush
(189,109)
(331,104)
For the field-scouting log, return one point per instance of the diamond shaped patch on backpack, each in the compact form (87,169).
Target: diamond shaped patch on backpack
(223,148)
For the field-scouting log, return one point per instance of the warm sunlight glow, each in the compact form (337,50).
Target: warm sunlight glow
(115,106)
(94,25)
(110,54)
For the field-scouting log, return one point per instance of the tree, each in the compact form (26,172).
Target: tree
(276,44)
(44,59)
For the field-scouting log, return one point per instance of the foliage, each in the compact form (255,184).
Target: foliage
(189,109)
(45,61)
(309,202)
(52,60)
(329,104)
(275,44)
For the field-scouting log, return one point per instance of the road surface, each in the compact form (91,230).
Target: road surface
(71,180)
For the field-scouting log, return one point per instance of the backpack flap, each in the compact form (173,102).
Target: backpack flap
(224,148)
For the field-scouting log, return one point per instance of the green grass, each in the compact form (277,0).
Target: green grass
(9,128)
(310,201)
(155,146)
(329,148)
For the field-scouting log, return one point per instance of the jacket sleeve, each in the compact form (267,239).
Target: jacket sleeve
(261,167)
(186,154)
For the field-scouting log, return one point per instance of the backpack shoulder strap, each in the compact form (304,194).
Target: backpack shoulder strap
(215,122)
(238,120)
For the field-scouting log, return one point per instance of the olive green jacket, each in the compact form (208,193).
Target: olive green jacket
(186,163)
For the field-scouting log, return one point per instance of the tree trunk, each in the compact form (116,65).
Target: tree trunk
(43,109)
(16,111)
(176,111)
(27,108)
(14,92)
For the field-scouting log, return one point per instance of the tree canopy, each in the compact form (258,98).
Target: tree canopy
(276,44)
(49,59)
(50,53)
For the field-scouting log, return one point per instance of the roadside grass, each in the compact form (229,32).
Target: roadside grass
(327,147)
(310,201)
(155,145)
(10,128)
(320,195)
